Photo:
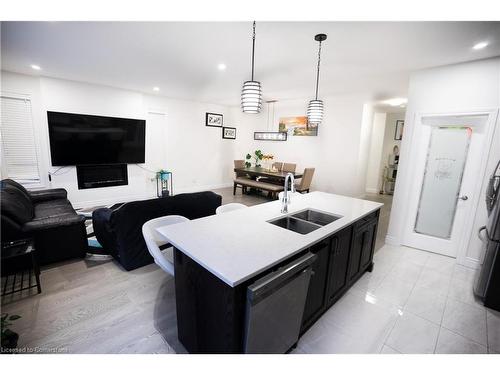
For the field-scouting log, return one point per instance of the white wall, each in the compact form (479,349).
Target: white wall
(466,87)
(176,136)
(339,152)
(364,149)
(375,156)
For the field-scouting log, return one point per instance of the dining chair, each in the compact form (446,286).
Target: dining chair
(240,164)
(239,177)
(156,244)
(229,207)
(305,182)
(289,167)
(278,165)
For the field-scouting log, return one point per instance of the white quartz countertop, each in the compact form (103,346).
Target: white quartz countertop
(238,245)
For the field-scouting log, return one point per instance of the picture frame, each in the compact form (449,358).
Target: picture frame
(270,136)
(214,120)
(297,126)
(398,133)
(228,133)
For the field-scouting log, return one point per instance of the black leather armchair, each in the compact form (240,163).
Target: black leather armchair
(120,231)
(46,216)
(38,196)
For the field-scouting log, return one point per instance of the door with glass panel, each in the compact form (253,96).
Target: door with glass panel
(448,155)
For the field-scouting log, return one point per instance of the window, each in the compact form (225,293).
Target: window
(19,151)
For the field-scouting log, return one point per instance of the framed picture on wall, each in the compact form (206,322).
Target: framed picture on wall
(297,125)
(213,119)
(398,134)
(228,133)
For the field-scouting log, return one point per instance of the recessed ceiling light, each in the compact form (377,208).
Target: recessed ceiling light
(221,66)
(156,88)
(480,45)
(35,67)
(394,102)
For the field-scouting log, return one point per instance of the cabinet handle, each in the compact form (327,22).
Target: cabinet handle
(336,246)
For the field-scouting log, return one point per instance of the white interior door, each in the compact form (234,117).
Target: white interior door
(449,152)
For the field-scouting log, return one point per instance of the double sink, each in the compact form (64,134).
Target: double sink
(305,221)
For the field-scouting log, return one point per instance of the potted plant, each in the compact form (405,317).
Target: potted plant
(9,337)
(258,155)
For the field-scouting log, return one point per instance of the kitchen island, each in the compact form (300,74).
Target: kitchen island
(218,257)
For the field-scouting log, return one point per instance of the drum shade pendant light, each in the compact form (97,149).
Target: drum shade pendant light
(315,108)
(251,95)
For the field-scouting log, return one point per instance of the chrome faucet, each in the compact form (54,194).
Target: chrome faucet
(285,200)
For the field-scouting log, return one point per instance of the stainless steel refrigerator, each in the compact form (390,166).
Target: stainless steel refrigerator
(487,285)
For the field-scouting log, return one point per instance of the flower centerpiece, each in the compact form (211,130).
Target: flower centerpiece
(268,161)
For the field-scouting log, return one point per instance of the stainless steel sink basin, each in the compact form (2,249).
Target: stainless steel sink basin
(296,225)
(316,217)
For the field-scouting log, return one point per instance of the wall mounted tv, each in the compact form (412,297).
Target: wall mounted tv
(77,139)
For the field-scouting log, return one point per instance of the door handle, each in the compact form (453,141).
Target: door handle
(463,197)
(479,233)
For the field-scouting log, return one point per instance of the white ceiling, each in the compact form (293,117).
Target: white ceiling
(182,57)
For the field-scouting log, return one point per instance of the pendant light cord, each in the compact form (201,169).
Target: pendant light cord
(253,47)
(268,113)
(317,73)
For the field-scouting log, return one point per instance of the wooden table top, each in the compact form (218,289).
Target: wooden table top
(259,171)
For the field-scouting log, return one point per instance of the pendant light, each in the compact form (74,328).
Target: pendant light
(269,135)
(315,108)
(251,95)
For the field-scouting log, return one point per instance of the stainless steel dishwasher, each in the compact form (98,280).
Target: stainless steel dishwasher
(274,307)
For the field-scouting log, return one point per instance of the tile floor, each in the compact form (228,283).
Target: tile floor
(413,302)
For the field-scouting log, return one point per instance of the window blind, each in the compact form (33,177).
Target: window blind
(18,140)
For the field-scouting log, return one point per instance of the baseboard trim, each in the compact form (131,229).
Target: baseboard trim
(372,191)
(468,262)
(391,240)
(193,189)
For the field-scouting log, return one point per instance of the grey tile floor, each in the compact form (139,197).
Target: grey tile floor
(413,302)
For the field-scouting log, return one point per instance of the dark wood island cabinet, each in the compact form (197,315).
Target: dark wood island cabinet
(211,313)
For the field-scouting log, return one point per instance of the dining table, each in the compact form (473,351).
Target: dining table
(264,172)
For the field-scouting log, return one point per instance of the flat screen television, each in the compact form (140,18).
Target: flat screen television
(77,139)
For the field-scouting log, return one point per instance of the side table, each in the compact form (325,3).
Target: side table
(19,267)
